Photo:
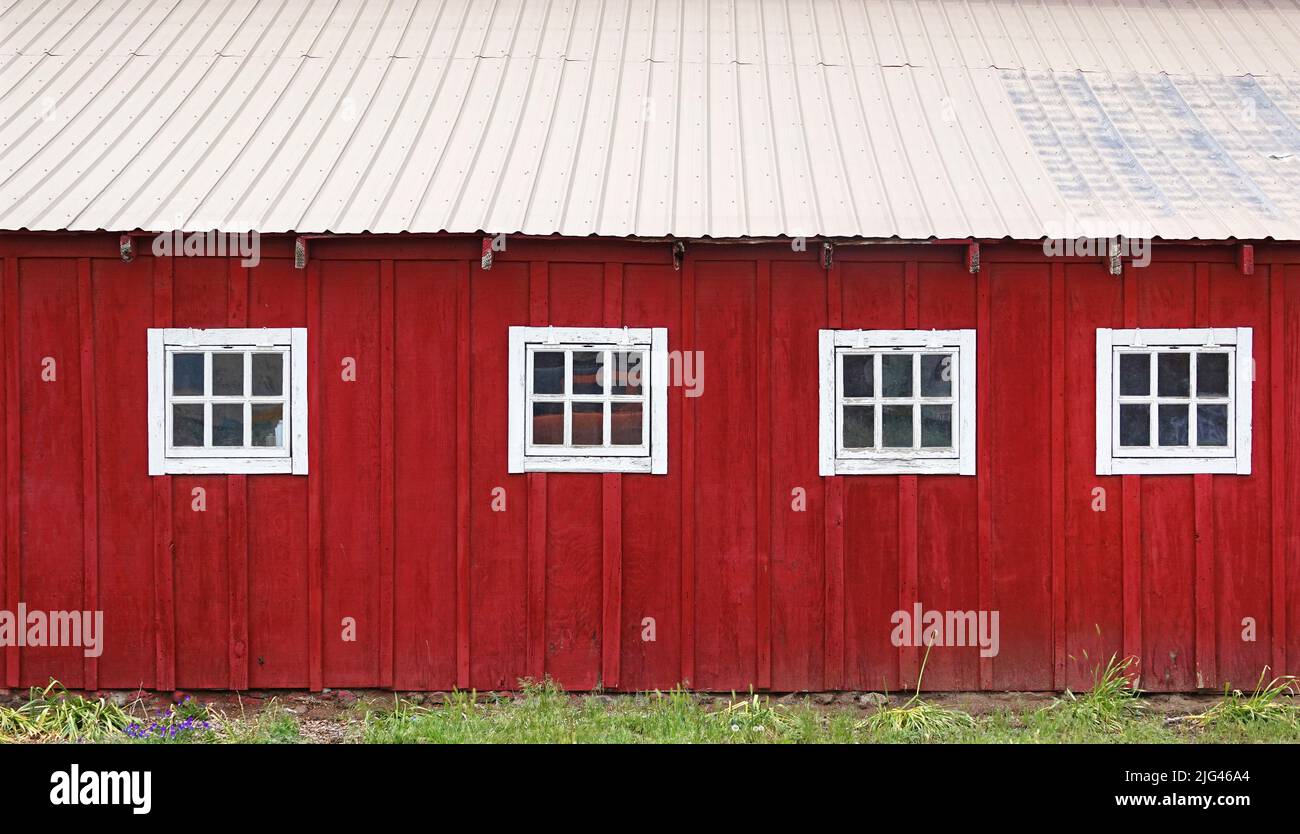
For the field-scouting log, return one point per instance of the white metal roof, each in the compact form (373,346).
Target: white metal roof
(723,118)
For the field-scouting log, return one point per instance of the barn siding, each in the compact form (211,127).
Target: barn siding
(395,528)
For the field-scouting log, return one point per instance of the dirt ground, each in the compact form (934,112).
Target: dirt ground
(334,705)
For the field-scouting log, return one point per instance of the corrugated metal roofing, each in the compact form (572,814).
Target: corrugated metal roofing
(725,118)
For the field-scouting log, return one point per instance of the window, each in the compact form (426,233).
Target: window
(588,399)
(897,402)
(1173,401)
(227,401)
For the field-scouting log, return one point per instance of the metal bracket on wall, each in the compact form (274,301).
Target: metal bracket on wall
(300,253)
(125,249)
(485,261)
(828,255)
(1116,264)
(679,252)
(973,257)
(1246,259)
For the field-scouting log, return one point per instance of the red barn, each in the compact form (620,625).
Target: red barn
(767,344)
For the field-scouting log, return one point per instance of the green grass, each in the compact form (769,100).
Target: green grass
(1111,704)
(1109,712)
(1269,705)
(54,714)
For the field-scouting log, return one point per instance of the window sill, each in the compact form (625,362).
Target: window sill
(228,466)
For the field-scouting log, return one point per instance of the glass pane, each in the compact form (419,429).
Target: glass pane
(859,375)
(1212,375)
(1211,425)
(187,374)
(587,372)
(896,375)
(548,373)
(548,423)
(1172,425)
(228,424)
(896,428)
(187,424)
(588,424)
(1173,375)
(859,426)
(1134,424)
(627,373)
(228,374)
(936,426)
(625,424)
(1134,374)
(936,376)
(268,424)
(268,374)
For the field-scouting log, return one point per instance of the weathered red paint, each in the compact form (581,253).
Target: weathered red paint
(394,526)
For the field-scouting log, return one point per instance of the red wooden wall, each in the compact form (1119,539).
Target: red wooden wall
(395,526)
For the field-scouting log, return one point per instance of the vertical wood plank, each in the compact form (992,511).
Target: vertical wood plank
(315,483)
(909,579)
(1203,521)
(539,284)
(89,459)
(9,512)
(1058,445)
(688,480)
(237,557)
(612,520)
(164,548)
(833,522)
(1131,533)
(763,470)
(909,657)
(462,475)
(983,454)
(237,509)
(387,472)
(1277,421)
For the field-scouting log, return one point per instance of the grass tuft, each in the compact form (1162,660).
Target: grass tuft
(916,718)
(53,713)
(1269,703)
(1110,702)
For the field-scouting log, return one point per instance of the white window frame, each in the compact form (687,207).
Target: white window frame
(1233,459)
(960,460)
(164,460)
(651,457)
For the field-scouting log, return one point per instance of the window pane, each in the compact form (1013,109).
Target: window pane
(1211,425)
(588,424)
(896,375)
(1134,424)
(548,374)
(228,374)
(936,425)
(1172,425)
(625,424)
(548,423)
(228,424)
(936,377)
(268,374)
(1134,374)
(1212,375)
(187,424)
(587,372)
(268,424)
(896,430)
(627,373)
(1173,375)
(187,374)
(859,426)
(859,375)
